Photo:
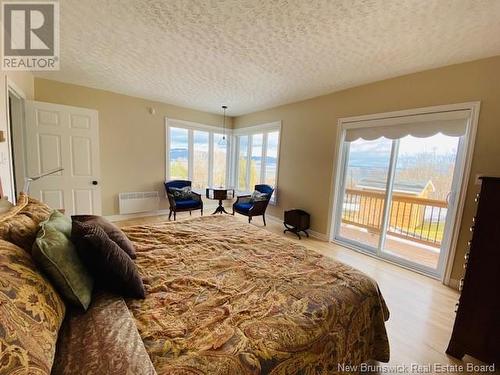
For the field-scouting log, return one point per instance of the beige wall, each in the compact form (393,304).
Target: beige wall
(132,141)
(309,132)
(24,82)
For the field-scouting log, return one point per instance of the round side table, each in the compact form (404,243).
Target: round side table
(220,194)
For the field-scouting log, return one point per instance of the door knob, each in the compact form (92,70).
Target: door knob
(94,182)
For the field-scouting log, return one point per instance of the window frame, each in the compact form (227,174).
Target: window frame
(250,131)
(463,167)
(191,127)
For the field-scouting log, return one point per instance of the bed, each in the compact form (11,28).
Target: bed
(225,297)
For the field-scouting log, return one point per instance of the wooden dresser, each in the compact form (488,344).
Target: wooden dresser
(477,324)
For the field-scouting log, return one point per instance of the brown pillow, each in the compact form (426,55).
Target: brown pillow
(19,225)
(111,266)
(111,230)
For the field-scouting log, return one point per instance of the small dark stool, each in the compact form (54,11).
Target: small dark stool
(297,221)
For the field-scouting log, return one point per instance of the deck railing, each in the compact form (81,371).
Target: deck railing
(412,218)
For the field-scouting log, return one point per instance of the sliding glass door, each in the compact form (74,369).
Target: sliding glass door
(397,184)
(423,179)
(367,164)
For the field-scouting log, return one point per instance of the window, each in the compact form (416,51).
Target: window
(220,161)
(271,165)
(200,159)
(178,153)
(194,152)
(255,160)
(258,154)
(242,162)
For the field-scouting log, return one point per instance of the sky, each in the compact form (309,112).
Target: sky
(179,140)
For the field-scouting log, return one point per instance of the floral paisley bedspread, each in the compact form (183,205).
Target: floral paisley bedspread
(225,297)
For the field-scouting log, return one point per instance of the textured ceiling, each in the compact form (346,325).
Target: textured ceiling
(252,54)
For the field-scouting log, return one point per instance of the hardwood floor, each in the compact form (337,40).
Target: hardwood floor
(422,309)
(406,249)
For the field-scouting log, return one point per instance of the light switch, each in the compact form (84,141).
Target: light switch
(478,179)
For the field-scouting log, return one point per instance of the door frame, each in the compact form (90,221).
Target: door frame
(463,166)
(12,88)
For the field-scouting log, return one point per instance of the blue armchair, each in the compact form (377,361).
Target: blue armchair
(178,205)
(245,206)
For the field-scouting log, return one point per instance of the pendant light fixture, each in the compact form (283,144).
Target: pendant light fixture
(223,141)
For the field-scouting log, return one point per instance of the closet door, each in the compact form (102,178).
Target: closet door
(60,136)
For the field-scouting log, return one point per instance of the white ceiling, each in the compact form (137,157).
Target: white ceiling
(256,54)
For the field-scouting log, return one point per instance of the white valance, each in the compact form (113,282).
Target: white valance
(452,123)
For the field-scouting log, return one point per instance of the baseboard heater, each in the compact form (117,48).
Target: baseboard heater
(135,202)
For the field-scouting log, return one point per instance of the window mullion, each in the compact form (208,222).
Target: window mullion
(263,158)
(210,158)
(227,183)
(236,162)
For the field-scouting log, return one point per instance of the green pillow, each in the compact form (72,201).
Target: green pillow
(56,255)
(58,221)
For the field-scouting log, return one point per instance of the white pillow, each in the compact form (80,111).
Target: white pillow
(258,196)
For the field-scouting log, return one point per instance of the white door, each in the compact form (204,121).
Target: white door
(60,136)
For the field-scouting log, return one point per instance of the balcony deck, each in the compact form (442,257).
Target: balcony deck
(412,251)
(415,224)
